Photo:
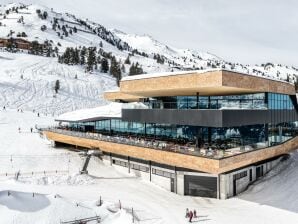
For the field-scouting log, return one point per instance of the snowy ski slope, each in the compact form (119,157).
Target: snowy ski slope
(27,82)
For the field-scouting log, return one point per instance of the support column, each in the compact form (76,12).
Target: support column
(218,186)
(198,100)
(175,180)
(145,129)
(128,163)
(150,171)
(209,135)
(110,126)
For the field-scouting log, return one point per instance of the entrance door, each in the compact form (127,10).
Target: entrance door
(259,171)
(172,185)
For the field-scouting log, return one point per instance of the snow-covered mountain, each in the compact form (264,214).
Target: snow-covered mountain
(27,81)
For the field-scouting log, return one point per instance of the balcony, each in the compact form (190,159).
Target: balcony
(209,160)
(211,151)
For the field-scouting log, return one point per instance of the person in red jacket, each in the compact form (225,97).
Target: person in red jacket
(190,216)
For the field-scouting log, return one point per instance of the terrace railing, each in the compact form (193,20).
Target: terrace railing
(206,152)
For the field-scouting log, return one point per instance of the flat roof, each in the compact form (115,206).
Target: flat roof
(112,110)
(203,82)
(163,74)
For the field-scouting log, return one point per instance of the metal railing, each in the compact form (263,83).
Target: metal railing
(207,152)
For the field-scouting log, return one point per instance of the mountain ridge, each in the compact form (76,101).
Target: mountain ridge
(63,30)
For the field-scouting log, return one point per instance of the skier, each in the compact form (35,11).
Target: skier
(31,129)
(187,213)
(19,130)
(190,216)
(194,214)
(37,114)
(4,108)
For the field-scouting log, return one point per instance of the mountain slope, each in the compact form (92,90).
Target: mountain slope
(27,81)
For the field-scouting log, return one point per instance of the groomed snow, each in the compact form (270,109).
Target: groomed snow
(27,82)
(272,200)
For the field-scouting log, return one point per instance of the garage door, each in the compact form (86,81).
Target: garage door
(200,186)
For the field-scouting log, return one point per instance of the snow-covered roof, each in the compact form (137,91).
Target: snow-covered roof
(114,90)
(162,74)
(112,110)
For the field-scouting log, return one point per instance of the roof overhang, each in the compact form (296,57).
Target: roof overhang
(118,95)
(213,82)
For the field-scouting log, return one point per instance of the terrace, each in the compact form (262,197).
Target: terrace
(211,151)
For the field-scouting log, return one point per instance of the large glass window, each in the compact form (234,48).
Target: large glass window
(245,101)
(279,101)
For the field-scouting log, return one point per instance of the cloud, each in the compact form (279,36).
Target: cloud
(253,31)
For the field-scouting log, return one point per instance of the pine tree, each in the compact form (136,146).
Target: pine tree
(104,65)
(135,69)
(127,60)
(123,68)
(91,59)
(115,70)
(83,55)
(76,56)
(132,69)
(66,56)
(296,84)
(57,86)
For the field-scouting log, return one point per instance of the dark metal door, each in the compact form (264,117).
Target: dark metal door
(234,185)
(172,185)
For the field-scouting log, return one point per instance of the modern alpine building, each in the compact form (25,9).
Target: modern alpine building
(201,133)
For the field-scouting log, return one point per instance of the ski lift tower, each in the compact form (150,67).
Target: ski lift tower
(87,155)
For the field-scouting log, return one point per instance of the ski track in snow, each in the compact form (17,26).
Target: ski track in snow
(35,90)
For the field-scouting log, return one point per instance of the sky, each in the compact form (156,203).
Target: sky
(245,31)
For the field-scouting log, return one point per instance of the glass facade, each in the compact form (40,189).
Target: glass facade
(255,136)
(244,101)
(279,101)
(251,136)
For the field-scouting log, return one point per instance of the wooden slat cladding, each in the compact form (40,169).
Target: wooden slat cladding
(219,82)
(208,165)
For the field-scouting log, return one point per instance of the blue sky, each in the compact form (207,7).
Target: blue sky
(250,31)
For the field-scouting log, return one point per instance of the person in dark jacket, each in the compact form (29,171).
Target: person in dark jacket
(190,216)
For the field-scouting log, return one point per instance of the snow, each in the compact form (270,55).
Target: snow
(272,200)
(60,193)
(176,59)
(27,82)
(112,110)
(162,74)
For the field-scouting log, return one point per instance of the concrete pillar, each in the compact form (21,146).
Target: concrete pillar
(180,183)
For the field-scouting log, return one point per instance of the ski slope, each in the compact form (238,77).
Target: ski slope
(272,200)
(27,82)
